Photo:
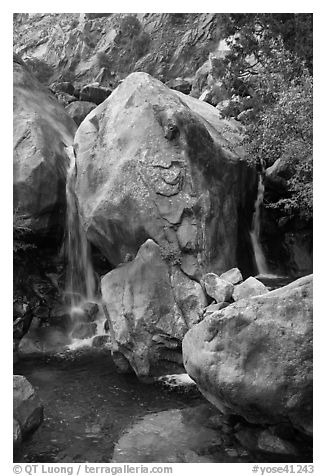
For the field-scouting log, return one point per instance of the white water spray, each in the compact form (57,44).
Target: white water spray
(255,232)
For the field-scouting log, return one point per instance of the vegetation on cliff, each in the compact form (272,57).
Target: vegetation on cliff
(268,73)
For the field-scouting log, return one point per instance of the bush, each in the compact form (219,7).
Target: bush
(130,26)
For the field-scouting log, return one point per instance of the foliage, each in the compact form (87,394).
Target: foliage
(130,26)
(269,78)
(103,60)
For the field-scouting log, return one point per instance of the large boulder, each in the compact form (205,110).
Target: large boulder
(152,163)
(28,410)
(150,309)
(254,358)
(42,131)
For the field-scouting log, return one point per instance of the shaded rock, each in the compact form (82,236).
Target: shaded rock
(217,288)
(189,296)
(180,84)
(270,443)
(63,87)
(232,276)
(140,301)
(17,435)
(65,98)
(151,166)
(94,93)
(174,436)
(101,341)
(78,110)
(215,307)
(250,287)
(28,410)
(190,266)
(42,130)
(254,358)
(121,362)
(83,330)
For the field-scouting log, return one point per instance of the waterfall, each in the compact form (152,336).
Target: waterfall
(255,232)
(80,282)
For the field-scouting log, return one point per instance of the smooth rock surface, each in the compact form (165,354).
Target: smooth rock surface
(250,287)
(42,130)
(232,276)
(150,166)
(149,440)
(145,320)
(217,288)
(254,358)
(28,410)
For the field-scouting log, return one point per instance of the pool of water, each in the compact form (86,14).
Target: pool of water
(94,414)
(88,406)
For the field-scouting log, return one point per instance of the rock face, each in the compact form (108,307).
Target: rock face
(254,358)
(42,130)
(28,411)
(149,166)
(82,48)
(149,310)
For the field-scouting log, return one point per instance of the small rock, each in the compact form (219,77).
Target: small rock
(249,288)
(270,443)
(65,98)
(63,87)
(217,288)
(95,94)
(232,276)
(28,410)
(232,452)
(17,435)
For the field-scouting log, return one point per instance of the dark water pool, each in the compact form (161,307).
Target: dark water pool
(93,414)
(88,405)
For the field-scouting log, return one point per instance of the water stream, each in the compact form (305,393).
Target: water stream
(260,258)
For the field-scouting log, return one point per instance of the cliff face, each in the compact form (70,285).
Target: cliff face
(85,48)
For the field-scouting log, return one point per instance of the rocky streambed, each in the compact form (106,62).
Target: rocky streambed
(94,414)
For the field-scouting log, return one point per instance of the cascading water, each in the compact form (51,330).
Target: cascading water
(255,232)
(80,280)
(80,283)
